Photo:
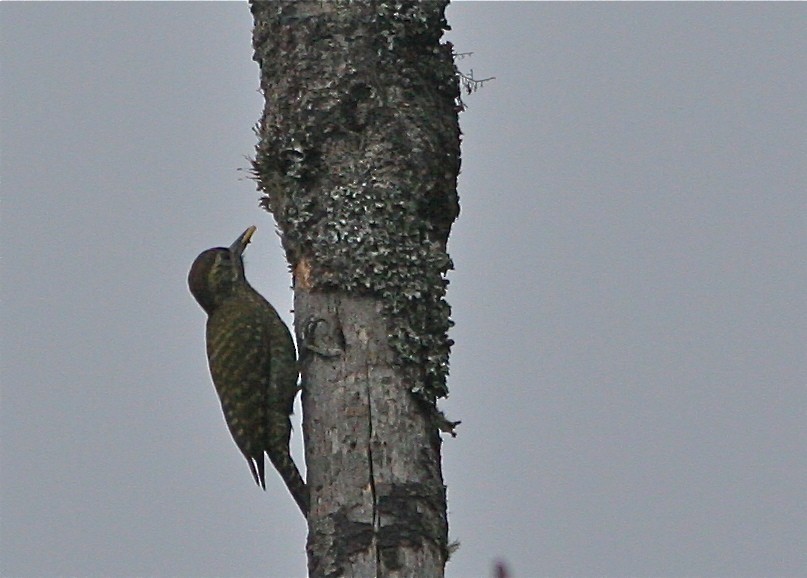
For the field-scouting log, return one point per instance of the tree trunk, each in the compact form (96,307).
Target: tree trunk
(358,160)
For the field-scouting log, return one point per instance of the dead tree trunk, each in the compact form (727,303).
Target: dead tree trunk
(358,160)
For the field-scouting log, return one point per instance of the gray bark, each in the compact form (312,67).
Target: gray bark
(373,457)
(358,159)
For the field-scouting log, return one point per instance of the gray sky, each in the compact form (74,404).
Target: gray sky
(628,292)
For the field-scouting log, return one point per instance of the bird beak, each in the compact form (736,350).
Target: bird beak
(240,244)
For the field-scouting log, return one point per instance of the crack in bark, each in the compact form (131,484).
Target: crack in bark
(376,518)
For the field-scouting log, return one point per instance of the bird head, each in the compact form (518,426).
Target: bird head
(218,273)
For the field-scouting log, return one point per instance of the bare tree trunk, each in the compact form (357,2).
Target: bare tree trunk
(358,159)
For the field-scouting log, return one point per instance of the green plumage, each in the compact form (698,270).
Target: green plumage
(252,361)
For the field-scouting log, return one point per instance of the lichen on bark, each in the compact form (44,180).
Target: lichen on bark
(359,168)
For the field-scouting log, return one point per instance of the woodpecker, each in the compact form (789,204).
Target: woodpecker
(253,362)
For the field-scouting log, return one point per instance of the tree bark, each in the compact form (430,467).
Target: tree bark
(358,159)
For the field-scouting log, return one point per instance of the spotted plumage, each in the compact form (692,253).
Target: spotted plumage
(252,361)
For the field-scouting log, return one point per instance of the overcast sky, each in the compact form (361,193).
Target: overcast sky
(629,292)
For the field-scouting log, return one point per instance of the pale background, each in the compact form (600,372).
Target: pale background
(628,292)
